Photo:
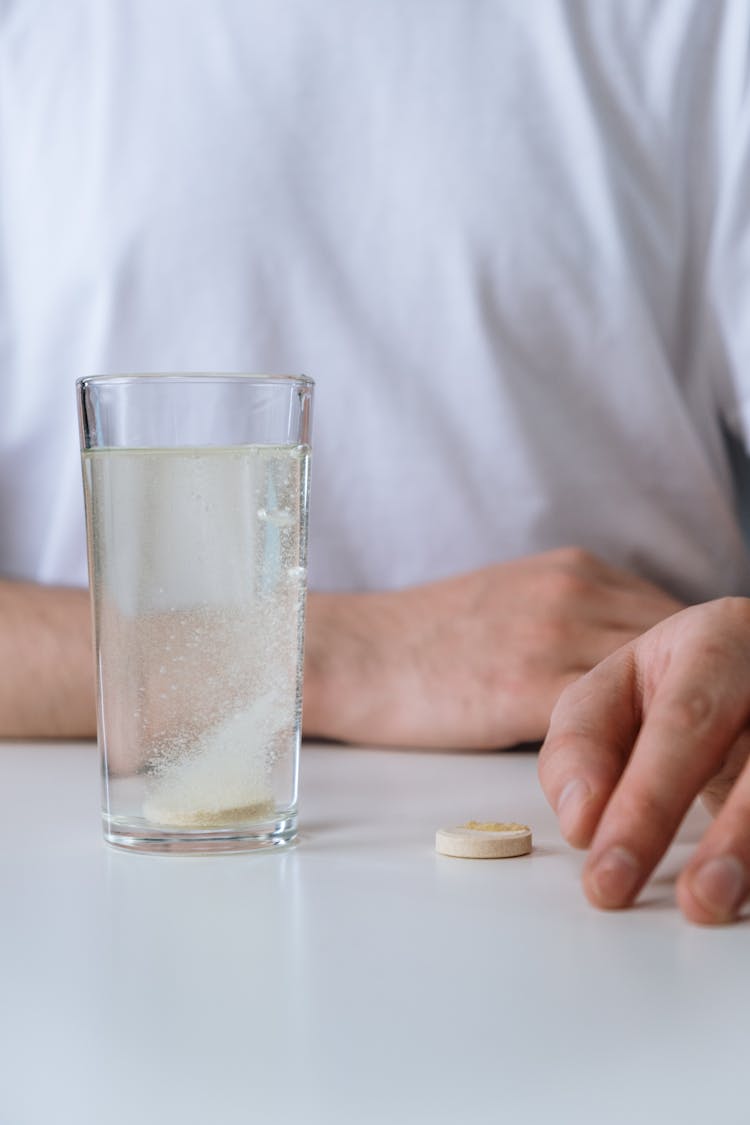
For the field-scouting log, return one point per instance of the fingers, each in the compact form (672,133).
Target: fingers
(592,729)
(591,646)
(684,738)
(631,608)
(635,741)
(578,561)
(721,784)
(611,608)
(716,881)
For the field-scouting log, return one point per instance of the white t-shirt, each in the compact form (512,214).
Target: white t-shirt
(510,242)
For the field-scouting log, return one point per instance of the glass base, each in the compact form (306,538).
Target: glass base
(142,837)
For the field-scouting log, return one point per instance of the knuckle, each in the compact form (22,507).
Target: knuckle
(574,558)
(563,586)
(690,712)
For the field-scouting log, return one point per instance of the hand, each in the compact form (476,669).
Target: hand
(475,661)
(631,745)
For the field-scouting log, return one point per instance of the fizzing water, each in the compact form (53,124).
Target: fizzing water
(199,577)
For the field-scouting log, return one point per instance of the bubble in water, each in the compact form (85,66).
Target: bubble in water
(279,517)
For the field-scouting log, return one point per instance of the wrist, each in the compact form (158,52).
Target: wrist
(340,665)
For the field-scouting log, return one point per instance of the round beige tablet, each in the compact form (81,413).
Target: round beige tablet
(484,840)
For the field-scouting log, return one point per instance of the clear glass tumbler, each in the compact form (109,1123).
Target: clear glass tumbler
(196,490)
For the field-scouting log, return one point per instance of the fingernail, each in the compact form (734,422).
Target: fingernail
(570,805)
(720,885)
(615,877)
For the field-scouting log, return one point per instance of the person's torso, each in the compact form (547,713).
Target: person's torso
(467,222)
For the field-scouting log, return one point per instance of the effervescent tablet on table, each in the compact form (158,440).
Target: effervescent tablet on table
(484,840)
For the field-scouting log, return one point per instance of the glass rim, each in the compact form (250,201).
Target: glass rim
(207,377)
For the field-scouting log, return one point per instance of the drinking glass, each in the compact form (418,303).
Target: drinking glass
(196,490)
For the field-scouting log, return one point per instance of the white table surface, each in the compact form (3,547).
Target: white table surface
(357,978)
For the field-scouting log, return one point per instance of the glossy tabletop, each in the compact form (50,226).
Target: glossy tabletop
(358,977)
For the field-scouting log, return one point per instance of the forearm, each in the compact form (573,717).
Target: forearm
(46,664)
(337,655)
